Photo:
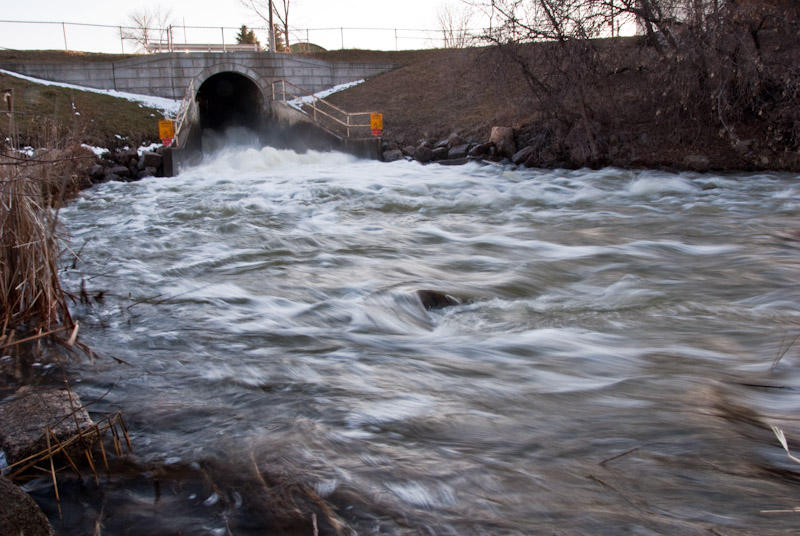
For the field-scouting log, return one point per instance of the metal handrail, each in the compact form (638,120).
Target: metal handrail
(183,111)
(305,97)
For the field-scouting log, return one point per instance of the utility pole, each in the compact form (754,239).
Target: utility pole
(271,29)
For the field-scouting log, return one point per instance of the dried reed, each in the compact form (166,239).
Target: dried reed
(31,297)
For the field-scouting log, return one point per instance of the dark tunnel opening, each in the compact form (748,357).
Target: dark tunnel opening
(229,100)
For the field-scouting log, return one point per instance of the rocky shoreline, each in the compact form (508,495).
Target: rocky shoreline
(540,151)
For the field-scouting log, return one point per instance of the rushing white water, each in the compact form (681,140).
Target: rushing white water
(266,303)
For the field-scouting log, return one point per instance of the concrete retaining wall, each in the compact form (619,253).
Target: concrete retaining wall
(168,75)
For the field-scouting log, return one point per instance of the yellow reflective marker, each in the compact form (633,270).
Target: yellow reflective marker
(166,131)
(376,123)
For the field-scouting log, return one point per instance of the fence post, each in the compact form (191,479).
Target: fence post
(64,30)
(342,30)
(396,47)
(121,40)
(222,30)
(348,125)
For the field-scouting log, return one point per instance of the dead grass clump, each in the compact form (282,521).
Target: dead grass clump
(31,297)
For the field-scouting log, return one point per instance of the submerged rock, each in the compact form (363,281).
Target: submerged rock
(392,155)
(440,153)
(458,151)
(433,299)
(480,150)
(25,418)
(423,154)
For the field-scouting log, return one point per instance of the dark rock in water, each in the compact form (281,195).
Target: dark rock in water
(522,155)
(480,150)
(433,299)
(458,151)
(440,153)
(409,150)
(392,155)
(423,154)
(126,157)
(149,159)
(146,172)
(454,161)
(441,143)
(97,172)
(710,186)
(19,515)
(454,140)
(24,419)
(503,139)
(120,171)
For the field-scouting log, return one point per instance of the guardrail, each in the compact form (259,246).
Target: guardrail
(114,38)
(168,46)
(183,111)
(329,117)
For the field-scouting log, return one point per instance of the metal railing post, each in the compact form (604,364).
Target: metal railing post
(64,30)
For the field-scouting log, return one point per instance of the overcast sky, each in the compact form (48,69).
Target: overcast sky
(408,14)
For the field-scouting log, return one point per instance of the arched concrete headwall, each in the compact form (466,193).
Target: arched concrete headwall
(234,67)
(168,75)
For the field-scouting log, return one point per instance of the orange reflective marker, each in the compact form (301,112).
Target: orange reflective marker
(376,123)
(166,131)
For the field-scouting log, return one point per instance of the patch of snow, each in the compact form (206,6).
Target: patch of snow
(168,106)
(151,147)
(96,150)
(27,151)
(308,99)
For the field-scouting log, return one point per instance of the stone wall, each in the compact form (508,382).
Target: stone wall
(169,74)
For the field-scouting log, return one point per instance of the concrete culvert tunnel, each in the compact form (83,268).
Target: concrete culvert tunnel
(229,100)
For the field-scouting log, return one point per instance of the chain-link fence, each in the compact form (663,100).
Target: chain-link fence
(71,36)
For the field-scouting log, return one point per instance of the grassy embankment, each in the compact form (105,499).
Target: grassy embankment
(51,116)
(54,121)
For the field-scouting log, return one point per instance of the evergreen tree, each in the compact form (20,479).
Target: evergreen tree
(246,36)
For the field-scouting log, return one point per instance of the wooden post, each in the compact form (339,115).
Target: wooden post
(64,30)
(222,30)
(121,40)
(348,125)
(342,30)
(271,29)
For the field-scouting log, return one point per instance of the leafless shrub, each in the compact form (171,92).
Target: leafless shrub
(148,26)
(454,24)
(703,65)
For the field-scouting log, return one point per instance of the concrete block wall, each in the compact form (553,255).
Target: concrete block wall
(168,75)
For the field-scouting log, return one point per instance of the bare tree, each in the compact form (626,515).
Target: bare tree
(280,11)
(454,24)
(148,27)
